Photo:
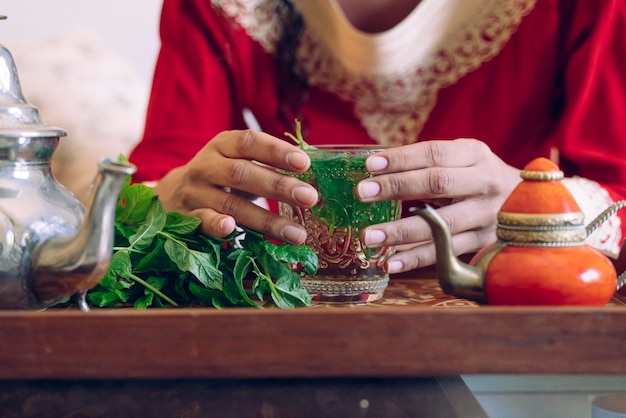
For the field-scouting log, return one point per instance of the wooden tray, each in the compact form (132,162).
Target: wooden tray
(416,330)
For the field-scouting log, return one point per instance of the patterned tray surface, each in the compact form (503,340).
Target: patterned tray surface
(422,292)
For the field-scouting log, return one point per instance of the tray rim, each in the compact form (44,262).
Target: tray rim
(391,341)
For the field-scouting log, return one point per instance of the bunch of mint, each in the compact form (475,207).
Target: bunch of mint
(162,259)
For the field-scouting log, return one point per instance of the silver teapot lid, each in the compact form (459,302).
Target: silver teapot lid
(19,118)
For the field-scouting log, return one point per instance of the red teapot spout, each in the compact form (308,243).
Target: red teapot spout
(455,277)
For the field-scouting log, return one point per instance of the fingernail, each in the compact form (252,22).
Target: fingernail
(298,160)
(395,266)
(305,195)
(374,237)
(368,189)
(375,163)
(227,225)
(293,234)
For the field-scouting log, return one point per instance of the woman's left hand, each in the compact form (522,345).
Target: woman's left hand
(463,178)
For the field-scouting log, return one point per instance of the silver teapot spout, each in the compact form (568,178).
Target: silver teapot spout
(63,266)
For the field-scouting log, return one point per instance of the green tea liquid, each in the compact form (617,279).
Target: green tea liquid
(348,271)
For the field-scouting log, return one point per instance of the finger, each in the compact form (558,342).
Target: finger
(226,163)
(462,152)
(426,170)
(426,254)
(264,148)
(220,219)
(253,179)
(426,183)
(215,224)
(414,229)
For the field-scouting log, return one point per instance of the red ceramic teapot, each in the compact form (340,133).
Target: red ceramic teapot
(539,257)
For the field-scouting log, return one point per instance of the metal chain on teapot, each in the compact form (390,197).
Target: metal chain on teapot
(621,279)
(608,212)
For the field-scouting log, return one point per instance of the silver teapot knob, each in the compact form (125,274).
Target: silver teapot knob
(18,118)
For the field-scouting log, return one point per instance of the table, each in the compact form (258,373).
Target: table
(416,332)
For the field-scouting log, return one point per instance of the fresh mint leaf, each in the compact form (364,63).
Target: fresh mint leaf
(209,297)
(242,264)
(293,254)
(120,265)
(197,263)
(236,293)
(104,299)
(148,298)
(155,261)
(215,246)
(292,293)
(152,225)
(261,286)
(240,272)
(133,203)
(181,224)
(144,301)
(122,232)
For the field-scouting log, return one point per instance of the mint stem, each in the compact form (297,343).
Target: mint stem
(298,138)
(152,288)
(267,278)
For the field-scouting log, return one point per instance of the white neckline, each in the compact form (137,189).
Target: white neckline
(396,50)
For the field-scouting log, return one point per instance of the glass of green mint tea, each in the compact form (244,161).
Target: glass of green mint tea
(348,271)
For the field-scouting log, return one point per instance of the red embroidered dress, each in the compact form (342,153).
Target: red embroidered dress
(527,77)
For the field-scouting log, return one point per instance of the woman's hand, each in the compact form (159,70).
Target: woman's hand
(213,185)
(463,178)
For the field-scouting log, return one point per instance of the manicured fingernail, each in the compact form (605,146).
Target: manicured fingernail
(227,225)
(305,195)
(298,160)
(293,234)
(376,163)
(368,189)
(395,266)
(374,237)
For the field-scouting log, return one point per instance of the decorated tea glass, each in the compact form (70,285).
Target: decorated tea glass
(348,270)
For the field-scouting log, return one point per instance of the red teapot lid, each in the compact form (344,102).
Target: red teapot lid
(541,209)
(541,191)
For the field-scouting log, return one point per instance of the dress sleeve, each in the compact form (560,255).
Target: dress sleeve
(193,95)
(591,133)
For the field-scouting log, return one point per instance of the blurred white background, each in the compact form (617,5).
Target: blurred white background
(129,26)
(87,66)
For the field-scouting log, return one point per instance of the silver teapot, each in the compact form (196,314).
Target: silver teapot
(50,246)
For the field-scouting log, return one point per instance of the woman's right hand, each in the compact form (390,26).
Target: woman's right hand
(213,185)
